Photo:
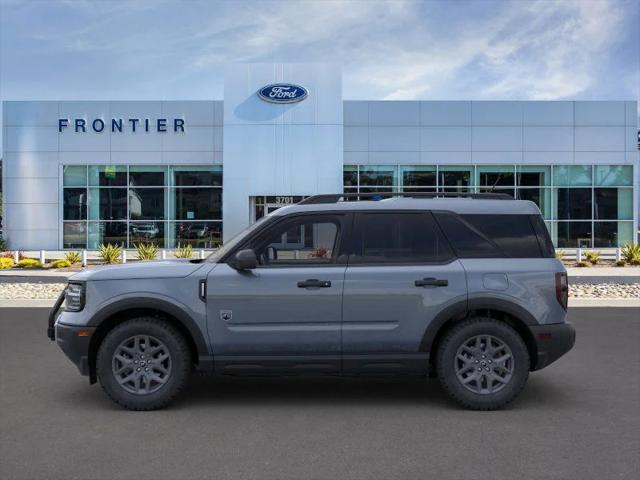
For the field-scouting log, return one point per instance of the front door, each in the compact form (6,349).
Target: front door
(286,314)
(401,274)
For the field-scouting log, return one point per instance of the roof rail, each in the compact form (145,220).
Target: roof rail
(336,197)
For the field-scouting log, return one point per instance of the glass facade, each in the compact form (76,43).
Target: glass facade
(127,205)
(582,205)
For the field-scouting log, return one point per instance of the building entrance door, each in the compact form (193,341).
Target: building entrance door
(264,205)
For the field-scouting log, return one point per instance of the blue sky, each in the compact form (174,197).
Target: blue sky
(574,49)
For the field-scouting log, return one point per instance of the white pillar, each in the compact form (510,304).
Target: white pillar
(42,259)
(16,256)
(201,254)
(618,254)
(84,258)
(163,254)
(124,256)
(579,255)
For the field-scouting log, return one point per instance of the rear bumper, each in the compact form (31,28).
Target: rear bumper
(74,342)
(552,342)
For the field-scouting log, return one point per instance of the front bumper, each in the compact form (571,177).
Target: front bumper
(552,342)
(74,342)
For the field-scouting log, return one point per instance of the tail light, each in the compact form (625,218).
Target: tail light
(562,289)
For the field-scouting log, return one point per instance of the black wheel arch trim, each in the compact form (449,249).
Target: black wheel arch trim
(460,309)
(161,305)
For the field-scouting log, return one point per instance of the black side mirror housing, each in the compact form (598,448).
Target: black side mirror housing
(245,260)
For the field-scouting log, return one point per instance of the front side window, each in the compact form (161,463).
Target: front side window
(399,238)
(307,240)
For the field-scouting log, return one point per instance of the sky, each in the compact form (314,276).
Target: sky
(454,49)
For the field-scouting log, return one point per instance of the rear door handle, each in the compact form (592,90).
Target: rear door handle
(431,282)
(314,283)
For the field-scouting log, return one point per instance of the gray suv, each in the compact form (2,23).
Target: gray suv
(464,288)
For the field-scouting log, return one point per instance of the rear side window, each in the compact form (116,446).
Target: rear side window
(513,234)
(399,238)
(477,236)
(467,241)
(544,239)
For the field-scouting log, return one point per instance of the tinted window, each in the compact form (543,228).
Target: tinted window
(467,241)
(513,234)
(399,238)
(544,239)
(304,240)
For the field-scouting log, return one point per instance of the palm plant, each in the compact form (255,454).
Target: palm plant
(109,253)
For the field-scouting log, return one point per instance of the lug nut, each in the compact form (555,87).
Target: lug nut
(138,369)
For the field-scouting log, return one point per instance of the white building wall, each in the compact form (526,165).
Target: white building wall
(275,149)
(34,153)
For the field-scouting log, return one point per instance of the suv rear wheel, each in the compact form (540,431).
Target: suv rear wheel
(483,363)
(143,363)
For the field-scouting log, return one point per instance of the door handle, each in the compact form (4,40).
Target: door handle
(431,282)
(314,283)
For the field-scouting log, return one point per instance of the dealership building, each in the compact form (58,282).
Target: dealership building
(80,173)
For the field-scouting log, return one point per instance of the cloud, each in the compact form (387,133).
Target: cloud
(389,49)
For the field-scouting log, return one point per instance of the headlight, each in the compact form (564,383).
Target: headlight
(74,297)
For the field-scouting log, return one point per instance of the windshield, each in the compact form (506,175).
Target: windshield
(230,244)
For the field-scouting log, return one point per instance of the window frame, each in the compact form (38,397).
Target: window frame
(342,219)
(357,229)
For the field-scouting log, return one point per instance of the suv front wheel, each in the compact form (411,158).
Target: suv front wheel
(482,363)
(143,363)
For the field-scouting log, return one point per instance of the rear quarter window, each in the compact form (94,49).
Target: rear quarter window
(490,235)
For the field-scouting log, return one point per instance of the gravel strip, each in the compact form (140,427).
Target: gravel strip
(30,290)
(45,290)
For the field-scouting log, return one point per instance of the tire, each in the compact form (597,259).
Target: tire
(504,369)
(137,381)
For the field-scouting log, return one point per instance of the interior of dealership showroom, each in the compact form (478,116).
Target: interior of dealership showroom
(78,174)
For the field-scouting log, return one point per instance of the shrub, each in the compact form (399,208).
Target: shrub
(146,251)
(10,254)
(583,264)
(621,263)
(110,254)
(592,257)
(6,263)
(631,253)
(560,254)
(73,257)
(29,263)
(184,252)
(62,263)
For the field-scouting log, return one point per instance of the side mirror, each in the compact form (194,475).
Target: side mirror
(245,260)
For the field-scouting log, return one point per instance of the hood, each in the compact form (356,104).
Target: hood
(142,270)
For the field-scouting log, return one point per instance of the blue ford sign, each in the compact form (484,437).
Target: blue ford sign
(283,93)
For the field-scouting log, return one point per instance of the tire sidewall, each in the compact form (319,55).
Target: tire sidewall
(446,363)
(180,363)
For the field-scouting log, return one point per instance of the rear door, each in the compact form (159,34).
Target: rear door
(401,274)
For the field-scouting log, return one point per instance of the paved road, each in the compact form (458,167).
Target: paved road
(578,419)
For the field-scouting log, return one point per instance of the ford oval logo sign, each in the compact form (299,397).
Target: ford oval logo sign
(283,93)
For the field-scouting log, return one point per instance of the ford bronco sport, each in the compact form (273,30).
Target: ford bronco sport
(463,287)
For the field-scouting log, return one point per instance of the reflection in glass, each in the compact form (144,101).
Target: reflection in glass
(614,175)
(108,175)
(146,203)
(572,175)
(107,204)
(75,204)
(613,203)
(197,203)
(196,234)
(574,234)
(534,176)
(418,178)
(74,235)
(496,176)
(74,175)
(350,176)
(206,176)
(540,196)
(382,175)
(146,232)
(147,175)
(573,203)
(107,232)
(454,176)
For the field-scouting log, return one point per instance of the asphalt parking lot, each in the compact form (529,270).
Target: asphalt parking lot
(577,419)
